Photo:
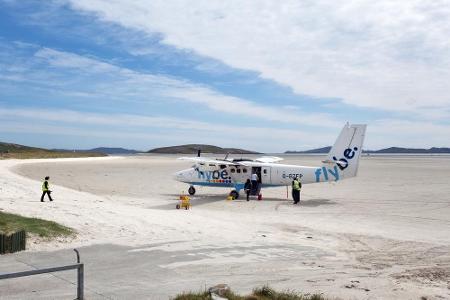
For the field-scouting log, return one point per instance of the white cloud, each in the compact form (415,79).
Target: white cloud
(237,106)
(69,60)
(403,133)
(168,129)
(392,55)
(74,75)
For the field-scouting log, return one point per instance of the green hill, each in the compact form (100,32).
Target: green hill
(10,150)
(8,147)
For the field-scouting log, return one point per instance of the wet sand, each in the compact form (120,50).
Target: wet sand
(382,235)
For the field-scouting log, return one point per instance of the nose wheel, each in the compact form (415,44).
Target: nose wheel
(234,194)
(191,190)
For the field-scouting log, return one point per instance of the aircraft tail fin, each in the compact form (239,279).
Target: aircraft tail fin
(347,149)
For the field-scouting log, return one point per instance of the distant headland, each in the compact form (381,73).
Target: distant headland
(390,150)
(10,150)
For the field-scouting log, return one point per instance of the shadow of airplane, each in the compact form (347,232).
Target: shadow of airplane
(316,202)
(209,198)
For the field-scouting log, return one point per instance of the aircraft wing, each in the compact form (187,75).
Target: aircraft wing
(210,161)
(268,159)
(203,160)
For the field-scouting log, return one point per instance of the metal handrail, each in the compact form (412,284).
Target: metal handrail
(80,274)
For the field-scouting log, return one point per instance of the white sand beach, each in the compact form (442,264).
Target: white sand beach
(382,235)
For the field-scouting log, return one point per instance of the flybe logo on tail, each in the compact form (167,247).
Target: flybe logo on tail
(342,164)
(348,154)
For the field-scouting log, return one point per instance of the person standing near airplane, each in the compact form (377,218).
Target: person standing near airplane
(296,187)
(248,188)
(46,189)
(254,183)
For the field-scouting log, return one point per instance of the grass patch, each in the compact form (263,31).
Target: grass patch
(263,293)
(46,229)
(193,296)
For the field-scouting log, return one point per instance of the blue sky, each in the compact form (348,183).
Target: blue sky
(258,75)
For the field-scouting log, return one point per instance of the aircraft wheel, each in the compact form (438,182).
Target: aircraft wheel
(234,194)
(191,190)
(178,206)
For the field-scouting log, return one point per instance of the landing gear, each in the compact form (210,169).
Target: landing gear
(191,190)
(234,194)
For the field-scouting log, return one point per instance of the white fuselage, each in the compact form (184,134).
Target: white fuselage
(341,162)
(271,174)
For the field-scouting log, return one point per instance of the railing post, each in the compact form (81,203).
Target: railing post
(80,281)
(2,243)
(78,255)
(80,277)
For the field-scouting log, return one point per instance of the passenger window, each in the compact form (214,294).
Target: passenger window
(265,171)
(244,170)
(232,170)
(238,170)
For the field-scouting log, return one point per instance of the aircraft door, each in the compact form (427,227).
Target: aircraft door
(263,174)
(266,175)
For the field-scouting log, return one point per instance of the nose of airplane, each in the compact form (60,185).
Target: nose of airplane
(178,175)
(183,175)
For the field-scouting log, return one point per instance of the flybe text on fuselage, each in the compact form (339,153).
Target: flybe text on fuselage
(219,176)
(328,174)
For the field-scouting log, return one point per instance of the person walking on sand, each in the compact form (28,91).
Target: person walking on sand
(296,187)
(248,188)
(46,189)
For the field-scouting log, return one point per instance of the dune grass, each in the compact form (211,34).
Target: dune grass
(263,293)
(46,229)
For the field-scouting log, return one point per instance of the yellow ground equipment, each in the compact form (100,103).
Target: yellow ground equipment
(185,202)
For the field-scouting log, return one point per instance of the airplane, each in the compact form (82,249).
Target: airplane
(341,163)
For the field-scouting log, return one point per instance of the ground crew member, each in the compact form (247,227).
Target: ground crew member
(46,189)
(248,188)
(296,187)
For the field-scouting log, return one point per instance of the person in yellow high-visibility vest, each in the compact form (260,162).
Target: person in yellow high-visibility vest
(46,189)
(296,187)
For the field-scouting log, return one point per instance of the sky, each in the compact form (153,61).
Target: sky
(263,75)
